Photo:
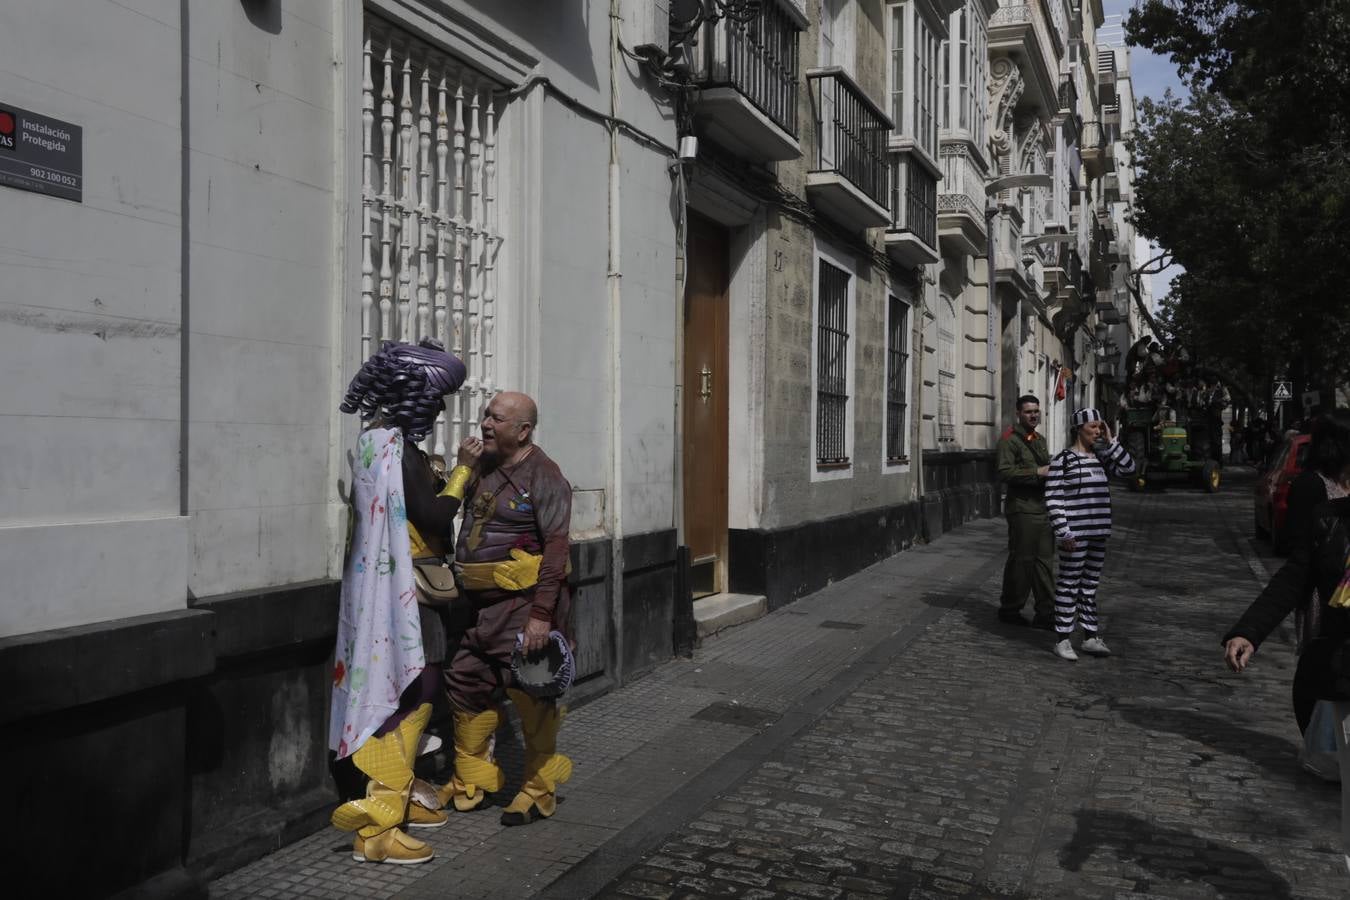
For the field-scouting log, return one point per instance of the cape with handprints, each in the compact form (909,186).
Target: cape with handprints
(379,641)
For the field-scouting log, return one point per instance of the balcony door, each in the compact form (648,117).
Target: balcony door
(704,399)
(836,49)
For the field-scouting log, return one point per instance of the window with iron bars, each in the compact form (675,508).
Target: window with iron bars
(832,367)
(946,420)
(897,369)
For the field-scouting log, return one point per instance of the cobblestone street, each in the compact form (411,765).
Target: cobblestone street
(886,737)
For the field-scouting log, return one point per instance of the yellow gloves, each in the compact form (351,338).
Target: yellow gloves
(519,572)
(458,480)
(1341,598)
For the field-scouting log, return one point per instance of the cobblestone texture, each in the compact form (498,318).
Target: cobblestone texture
(930,753)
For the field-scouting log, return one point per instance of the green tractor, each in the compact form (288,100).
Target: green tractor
(1165,453)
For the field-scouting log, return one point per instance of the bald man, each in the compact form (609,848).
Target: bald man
(511,561)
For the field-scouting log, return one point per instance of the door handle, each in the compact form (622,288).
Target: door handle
(705,380)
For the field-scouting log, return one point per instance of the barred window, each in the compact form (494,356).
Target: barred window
(897,369)
(946,370)
(832,367)
(430,239)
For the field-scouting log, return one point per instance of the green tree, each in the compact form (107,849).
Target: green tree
(1247,181)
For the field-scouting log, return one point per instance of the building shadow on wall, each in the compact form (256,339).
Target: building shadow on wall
(264,14)
(1172,855)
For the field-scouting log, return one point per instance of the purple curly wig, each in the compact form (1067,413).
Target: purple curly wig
(404,384)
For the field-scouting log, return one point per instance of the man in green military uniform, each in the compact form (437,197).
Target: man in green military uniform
(1023,462)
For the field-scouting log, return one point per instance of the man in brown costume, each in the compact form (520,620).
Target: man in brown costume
(511,561)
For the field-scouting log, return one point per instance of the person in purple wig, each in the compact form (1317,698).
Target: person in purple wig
(392,640)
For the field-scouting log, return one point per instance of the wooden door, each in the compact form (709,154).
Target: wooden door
(705,403)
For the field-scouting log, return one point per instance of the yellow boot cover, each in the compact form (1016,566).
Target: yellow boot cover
(391,846)
(475,770)
(424,805)
(545,768)
(384,760)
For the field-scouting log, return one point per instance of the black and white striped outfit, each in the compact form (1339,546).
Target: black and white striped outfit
(1078,503)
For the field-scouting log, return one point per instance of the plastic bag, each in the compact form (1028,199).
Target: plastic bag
(1319,755)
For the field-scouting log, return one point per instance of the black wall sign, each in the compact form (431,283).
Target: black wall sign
(40,154)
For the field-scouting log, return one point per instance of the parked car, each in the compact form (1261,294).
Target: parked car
(1272,490)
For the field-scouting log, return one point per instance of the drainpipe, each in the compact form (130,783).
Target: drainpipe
(614,507)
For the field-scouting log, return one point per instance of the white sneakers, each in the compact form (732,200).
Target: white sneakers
(1064,650)
(1093,646)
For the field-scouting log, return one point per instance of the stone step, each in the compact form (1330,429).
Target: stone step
(721,611)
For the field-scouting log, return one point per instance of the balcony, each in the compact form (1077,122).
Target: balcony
(747,74)
(1106,69)
(960,220)
(1093,150)
(1111,113)
(1067,101)
(911,238)
(1111,187)
(1008,266)
(1020,29)
(850,178)
(1109,308)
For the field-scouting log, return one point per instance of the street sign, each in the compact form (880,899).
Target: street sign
(41,154)
(1284,392)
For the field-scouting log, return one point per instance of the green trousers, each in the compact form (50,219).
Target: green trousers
(1030,566)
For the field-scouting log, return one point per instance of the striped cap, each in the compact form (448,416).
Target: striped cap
(1085,415)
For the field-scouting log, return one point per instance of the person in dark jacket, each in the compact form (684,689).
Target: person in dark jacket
(1023,463)
(1305,583)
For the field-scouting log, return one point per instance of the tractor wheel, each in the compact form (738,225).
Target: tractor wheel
(1210,476)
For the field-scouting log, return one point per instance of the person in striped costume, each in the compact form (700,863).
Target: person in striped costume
(1078,504)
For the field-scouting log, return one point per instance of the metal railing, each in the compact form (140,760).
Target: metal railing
(759,58)
(962,188)
(1067,95)
(853,132)
(914,199)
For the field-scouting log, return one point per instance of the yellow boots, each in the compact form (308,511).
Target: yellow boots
(475,771)
(545,768)
(375,819)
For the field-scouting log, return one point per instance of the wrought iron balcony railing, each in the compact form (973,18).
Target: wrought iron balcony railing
(759,58)
(852,131)
(914,199)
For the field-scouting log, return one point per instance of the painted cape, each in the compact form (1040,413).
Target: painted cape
(379,639)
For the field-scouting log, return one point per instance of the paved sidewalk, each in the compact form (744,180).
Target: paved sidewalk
(886,737)
(637,751)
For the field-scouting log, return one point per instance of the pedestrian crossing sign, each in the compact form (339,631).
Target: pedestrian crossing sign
(1284,392)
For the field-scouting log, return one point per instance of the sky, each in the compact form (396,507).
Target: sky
(1152,76)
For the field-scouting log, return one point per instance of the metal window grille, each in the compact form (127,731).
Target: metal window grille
(897,366)
(832,366)
(429,237)
(946,420)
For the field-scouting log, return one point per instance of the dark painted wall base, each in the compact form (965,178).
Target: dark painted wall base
(196,740)
(958,487)
(788,563)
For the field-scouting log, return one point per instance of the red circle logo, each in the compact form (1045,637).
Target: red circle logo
(6,123)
